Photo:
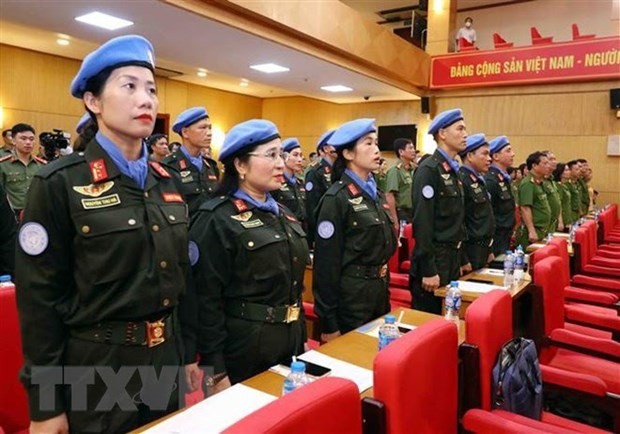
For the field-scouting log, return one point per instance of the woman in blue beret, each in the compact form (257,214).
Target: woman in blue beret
(248,256)
(292,193)
(354,238)
(101,262)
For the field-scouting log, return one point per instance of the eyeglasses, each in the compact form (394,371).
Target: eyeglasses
(271,155)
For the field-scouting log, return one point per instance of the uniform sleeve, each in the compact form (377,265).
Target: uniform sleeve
(392,180)
(313,196)
(8,229)
(211,274)
(328,253)
(423,213)
(492,186)
(42,281)
(526,194)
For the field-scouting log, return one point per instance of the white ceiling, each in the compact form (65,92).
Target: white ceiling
(185,42)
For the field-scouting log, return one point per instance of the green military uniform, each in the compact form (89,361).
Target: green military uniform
(515,190)
(8,229)
(565,197)
(355,239)
(5,150)
(479,220)
(195,185)
(575,200)
(247,267)
(381,180)
(500,188)
(400,181)
(555,203)
(584,196)
(318,180)
(98,258)
(438,216)
(16,177)
(532,194)
(292,195)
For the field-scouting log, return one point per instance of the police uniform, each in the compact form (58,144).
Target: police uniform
(532,194)
(16,177)
(479,220)
(8,229)
(399,182)
(438,217)
(555,204)
(100,268)
(566,199)
(575,200)
(292,193)
(318,179)
(584,196)
(382,180)
(248,265)
(197,181)
(499,185)
(354,241)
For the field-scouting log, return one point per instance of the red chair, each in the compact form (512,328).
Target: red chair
(537,39)
(577,36)
(584,251)
(416,401)
(500,42)
(313,344)
(327,405)
(410,243)
(13,400)
(465,45)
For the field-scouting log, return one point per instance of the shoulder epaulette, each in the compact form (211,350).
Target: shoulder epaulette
(335,188)
(40,160)
(61,163)
(158,168)
(6,157)
(211,204)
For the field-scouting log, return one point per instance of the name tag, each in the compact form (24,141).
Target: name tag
(252,224)
(101,202)
(360,207)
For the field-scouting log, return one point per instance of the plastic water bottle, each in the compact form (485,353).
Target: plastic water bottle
(571,233)
(548,238)
(453,303)
(5,281)
(296,378)
(519,265)
(509,269)
(388,332)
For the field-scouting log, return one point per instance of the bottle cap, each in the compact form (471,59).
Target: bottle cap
(390,319)
(5,278)
(298,366)
(508,252)
(454,283)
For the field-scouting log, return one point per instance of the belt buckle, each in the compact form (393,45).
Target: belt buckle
(458,246)
(491,242)
(292,313)
(155,333)
(383,270)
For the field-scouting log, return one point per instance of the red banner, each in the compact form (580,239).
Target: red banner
(591,59)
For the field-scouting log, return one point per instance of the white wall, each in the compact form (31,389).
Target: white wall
(551,17)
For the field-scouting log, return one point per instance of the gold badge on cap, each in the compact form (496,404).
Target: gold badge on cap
(243,217)
(94,190)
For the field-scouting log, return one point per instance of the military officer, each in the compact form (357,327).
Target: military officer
(248,255)
(499,185)
(561,175)
(19,167)
(196,176)
(101,260)
(479,219)
(584,194)
(355,236)
(575,192)
(292,193)
(400,180)
(553,194)
(7,142)
(535,209)
(318,179)
(438,214)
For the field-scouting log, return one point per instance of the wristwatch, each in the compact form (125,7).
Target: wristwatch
(212,380)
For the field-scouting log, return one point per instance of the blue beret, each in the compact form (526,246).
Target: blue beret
(324,138)
(189,117)
(352,131)
(246,135)
(82,122)
(122,51)
(445,119)
(473,142)
(289,144)
(498,143)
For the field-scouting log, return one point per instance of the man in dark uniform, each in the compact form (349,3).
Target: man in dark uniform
(479,220)
(318,180)
(292,193)
(438,214)
(8,229)
(196,176)
(498,183)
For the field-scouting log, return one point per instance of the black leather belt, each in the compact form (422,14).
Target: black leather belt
(448,244)
(263,312)
(132,333)
(366,271)
(482,242)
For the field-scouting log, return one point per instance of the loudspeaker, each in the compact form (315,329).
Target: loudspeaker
(614,98)
(425,103)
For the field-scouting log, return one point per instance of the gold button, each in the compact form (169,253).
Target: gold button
(165,301)
(131,222)
(163,264)
(155,228)
(86,229)
(146,194)
(250,243)
(172,218)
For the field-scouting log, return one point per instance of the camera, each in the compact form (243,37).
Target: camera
(53,142)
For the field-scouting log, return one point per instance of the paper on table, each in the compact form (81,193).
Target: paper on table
(360,376)
(372,328)
(216,413)
(466,286)
(490,272)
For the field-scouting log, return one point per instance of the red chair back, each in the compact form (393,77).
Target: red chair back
(488,325)
(497,39)
(581,241)
(414,400)
(465,45)
(546,273)
(535,33)
(562,249)
(327,405)
(13,401)
(540,254)
(577,36)
(408,235)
